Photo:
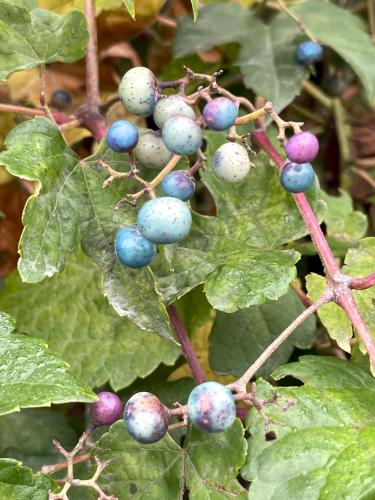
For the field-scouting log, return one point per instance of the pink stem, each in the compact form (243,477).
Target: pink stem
(363,283)
(12,108)
(186,345)
(92,68)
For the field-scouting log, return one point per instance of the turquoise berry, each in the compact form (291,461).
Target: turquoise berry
(211,407)
(231,162)
(139,91)
(132,249)
(122,136)
(220,113)
(170,106)
(164,220)
(182,135)
(151,152)
(308,52)
(146,418)
(178,184)
(297,177)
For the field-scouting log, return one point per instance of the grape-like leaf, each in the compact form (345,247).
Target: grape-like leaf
(207,465)
(31,376)
(33,37)
(325,434)
(129,4)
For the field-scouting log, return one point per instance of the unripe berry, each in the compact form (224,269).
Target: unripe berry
(231,162)
(139,91)
(220,113)
(308,52)
(182,135)
(302,147)
(151,151)
(170,106)
(178,184)
(122,136)
(146,418)
(107,409)
(61,99)
(132,249)
(164,220)
(211,407)
(297,177)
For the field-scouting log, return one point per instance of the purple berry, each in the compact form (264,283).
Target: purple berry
(220,113)
(178,184)
(302,147)
(146,418)
(107,409)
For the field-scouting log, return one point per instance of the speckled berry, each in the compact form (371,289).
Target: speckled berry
(170,106)
(139,91)
(231,162)
(182,135)
(146,418)
(132,249)
(61,99)
(122,136)
(308,52)
(178,184)
(302,147)
(107,409)
(151,152)
(164,220)
(220,113)
(211,407)
(297,177)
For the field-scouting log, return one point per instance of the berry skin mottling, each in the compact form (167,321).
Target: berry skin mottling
(139,91)
(151,151)
(122,136)
(297,177)
(308,52)
(164,220)
(107,409)
(132,249)
(231,162)
(220,113)
(146,418)
(170,106)
(182,135)
(178,184)
(302,147)
(211,407)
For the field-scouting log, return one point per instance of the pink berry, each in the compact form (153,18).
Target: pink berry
(302,147)
(107,409)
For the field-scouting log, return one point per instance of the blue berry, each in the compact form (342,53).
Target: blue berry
(211,407)
(122,136)
(170,106)
(61,99)
(107,409)
(220,113)
(146,418)
(178,184)
(139,91)
(164,220)
(308,53)
(231,162)
(132,249)
(151,151)
(297,177)
(182,135)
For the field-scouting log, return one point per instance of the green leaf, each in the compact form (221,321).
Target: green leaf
(27,436)
(129,4)
(252,330)
(7,324)
(71,207)
(317,17)
(195,7)
(325,446)
(99,345)
(38,37)
(207,465)
(19,483)
(30,376)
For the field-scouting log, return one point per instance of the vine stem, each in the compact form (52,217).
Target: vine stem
(22,110)
(187,348)
(240,384)
(363,283)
